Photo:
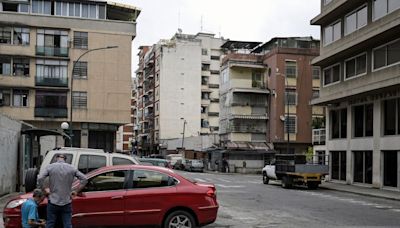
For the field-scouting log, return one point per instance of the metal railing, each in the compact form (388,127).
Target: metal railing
(51,112)
(52,51)
(46,81)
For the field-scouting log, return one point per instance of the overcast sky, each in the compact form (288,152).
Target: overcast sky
(249,20)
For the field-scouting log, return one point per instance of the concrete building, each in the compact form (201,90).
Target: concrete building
(39,43)
(360,86)
(261,87)
(178,90)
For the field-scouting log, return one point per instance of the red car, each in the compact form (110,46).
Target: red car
(134,195)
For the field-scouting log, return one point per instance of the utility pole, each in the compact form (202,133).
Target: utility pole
(183,134)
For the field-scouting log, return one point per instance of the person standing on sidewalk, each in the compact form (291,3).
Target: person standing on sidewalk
(29,211)
(61,176)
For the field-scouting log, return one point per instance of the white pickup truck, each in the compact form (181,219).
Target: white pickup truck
(294,170)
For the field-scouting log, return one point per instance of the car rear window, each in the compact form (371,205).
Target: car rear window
(122,161)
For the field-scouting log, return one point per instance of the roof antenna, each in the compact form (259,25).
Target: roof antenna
(179,19)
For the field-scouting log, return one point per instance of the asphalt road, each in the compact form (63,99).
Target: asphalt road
(245,202)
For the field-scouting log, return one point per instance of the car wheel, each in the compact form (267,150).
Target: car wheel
(31,179)
(265,178)
(286,182)
(179,219)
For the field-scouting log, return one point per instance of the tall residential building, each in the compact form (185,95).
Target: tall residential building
(265,99)
(360,62)
(178,90)
(40,42)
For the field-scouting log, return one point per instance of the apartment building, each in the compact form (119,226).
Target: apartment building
(360,87)
(265,99)
(178,90)
(40,43)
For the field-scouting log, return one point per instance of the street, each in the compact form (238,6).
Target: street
(246,202)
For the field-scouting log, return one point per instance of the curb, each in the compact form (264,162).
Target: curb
(360,193)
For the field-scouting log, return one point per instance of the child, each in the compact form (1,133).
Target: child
(30,216)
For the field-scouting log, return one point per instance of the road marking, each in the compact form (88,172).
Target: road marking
(200,180)
(223,180)
(229,186)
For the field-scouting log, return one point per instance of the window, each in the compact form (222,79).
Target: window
(5,35)
(53,69)
(257,80)
(85,10)
(79,99)
(5,65)
(316,73)
(214,57)
(356,66)
(387,55)
(81,40)
(21,36)
(23,8)
(204,123)
(339,165)
(291,124)
(203,109)
(41,7)
(122,161)
(338,123)
(205,67)
(391,117)
(106,181)
(205,95)
(363,120)
(204,80)
(68,158)
(390,167)
(204,51)
(52,42)
(102,12)
(332,33)
(290,97)
(20,67)
(363,166)
(291,69)
(151,179)
(89,163)
(332,74)
(315,94)
(383,7)
(20,98)
(5,97)
(356,20)
(80,70)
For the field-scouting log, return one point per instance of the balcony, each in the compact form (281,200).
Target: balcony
(56,82)
(52,51)
(51,112)
(318,136)
(247,129)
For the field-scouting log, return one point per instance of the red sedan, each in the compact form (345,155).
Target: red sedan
(134,196)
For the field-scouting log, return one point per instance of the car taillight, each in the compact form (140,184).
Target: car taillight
(15,203)
(212,193)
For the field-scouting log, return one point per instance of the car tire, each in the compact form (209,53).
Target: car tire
(31,179)
(265,178)
(286,182)
(178,218)
(312,185)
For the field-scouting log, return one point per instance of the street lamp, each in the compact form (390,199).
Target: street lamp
(72,84)
(286,119)
(65,126)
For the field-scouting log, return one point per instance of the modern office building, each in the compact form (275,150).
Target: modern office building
(360,86)
(40,45)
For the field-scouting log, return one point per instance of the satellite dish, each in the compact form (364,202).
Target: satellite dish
(282,117)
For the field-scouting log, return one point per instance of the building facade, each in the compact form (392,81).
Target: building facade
(360,86)
(39,45)
(178,90)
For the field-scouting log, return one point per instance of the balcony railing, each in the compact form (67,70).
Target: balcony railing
(51,112)
(247,129)
(52,51)
(318,136)
(56,82)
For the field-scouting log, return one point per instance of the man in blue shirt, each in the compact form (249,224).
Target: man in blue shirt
(30,215)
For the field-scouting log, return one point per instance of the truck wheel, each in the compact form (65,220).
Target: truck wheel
(265,178)
(286,182)
(31,179)
(312,185)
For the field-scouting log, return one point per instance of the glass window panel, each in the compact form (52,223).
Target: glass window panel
(71,9)
(394,5)
(336,73)
(368,167)
(379,8)
(92,11)
(361,64)
(335,123)
(393,55)
(389,117)
(58,8)
(351,23)
(335,165)
(85,10)
(35,6)
(337,31)
(77,9)
(102,12)
(328,35)
(47,7)
(359,121)
(23,8)
(343,169)
(65,8)
(350,68)
(343,123)
(358,167)
(327,76)
(111,181)
(379,57)
(362,17)
(369,120)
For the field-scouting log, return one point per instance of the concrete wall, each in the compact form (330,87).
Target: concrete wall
(9,141)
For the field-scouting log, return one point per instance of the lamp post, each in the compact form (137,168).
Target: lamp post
(183,134)
(72,84)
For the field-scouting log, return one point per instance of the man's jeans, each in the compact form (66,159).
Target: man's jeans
(61,213)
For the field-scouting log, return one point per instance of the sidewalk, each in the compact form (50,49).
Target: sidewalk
(361,190)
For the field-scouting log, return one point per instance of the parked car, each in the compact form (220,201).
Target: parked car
(194,165)
(83,159)
(176,161)
(133,195)
(155,161)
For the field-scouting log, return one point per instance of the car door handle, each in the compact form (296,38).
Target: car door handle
(117,197)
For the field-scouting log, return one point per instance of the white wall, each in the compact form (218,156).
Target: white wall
(9,138)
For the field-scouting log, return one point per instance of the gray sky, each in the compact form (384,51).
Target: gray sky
(249,20)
